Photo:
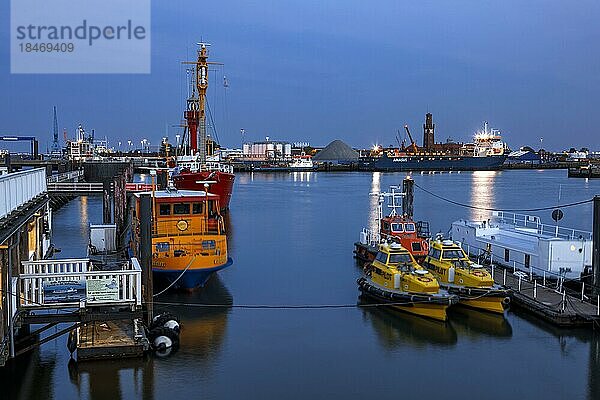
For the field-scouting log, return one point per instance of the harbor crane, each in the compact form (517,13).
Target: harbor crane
(55,144)
(31,139)
(413,145)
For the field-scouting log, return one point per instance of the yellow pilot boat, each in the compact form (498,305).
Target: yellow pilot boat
(394,277)
(188,237)
(461,276)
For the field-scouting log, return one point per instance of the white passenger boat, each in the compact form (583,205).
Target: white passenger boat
(525,243)
(302,163)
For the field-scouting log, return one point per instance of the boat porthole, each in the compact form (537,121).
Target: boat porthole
(182,225)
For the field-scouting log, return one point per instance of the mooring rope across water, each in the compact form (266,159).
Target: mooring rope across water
(577,203)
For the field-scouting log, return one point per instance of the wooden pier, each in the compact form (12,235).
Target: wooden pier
(102,302)
(110,339)
(548,300)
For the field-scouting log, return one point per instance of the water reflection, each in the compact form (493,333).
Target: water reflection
(594,367)
(473,323)
(482,193)
(229,230)
(396,329)
(84,217)
(567,340)
(202,328)
(33,374)
(114,379)
(304,176)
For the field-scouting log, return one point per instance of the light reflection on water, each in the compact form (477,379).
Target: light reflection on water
(373,223)
(291,238)
(482,194)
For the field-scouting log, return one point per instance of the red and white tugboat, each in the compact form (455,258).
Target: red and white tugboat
(398,227)
(194,170)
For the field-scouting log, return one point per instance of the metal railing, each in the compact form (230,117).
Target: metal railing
(34,275)
(531,284)
(534,222)
(207,166)
(18,188)
(77,187)
(211,246)
(66,176)
(138,187)
(196,226)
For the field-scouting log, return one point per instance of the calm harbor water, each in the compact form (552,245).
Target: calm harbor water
(291,238)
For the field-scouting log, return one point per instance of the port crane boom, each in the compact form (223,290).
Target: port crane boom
(413,145)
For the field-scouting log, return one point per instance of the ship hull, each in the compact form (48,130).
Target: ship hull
(223,186)
(425,305)
(432,163)
(191,279)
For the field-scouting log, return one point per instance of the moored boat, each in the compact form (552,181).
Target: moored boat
(302,163)
(455,272)
(188,237)
(398,226)
(219,178)
(395,278)
(486,152)
(194,171)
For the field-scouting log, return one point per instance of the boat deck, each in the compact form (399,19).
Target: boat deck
(516,241)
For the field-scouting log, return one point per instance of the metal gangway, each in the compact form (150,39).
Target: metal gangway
(75,291)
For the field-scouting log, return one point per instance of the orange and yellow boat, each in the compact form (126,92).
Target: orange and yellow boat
(189,243)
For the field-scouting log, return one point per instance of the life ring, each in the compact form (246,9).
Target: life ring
(479,273)
(182,225)
(424,279)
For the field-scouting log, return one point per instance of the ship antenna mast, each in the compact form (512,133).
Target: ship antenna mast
(195,113)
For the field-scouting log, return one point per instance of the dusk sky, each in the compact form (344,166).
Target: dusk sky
(317,71)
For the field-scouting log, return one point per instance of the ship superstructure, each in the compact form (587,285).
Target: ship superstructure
(488,151)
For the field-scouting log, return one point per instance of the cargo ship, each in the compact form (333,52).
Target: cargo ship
(194,171)
(486,152)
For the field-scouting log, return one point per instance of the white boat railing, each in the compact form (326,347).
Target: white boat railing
(18,188)
(34,275)
(531,222)
(195,165)
(66,176)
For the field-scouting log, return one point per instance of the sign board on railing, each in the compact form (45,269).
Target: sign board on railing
(100,290)
(63,291)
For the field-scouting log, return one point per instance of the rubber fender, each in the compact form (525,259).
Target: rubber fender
(155,336)
(161,319)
